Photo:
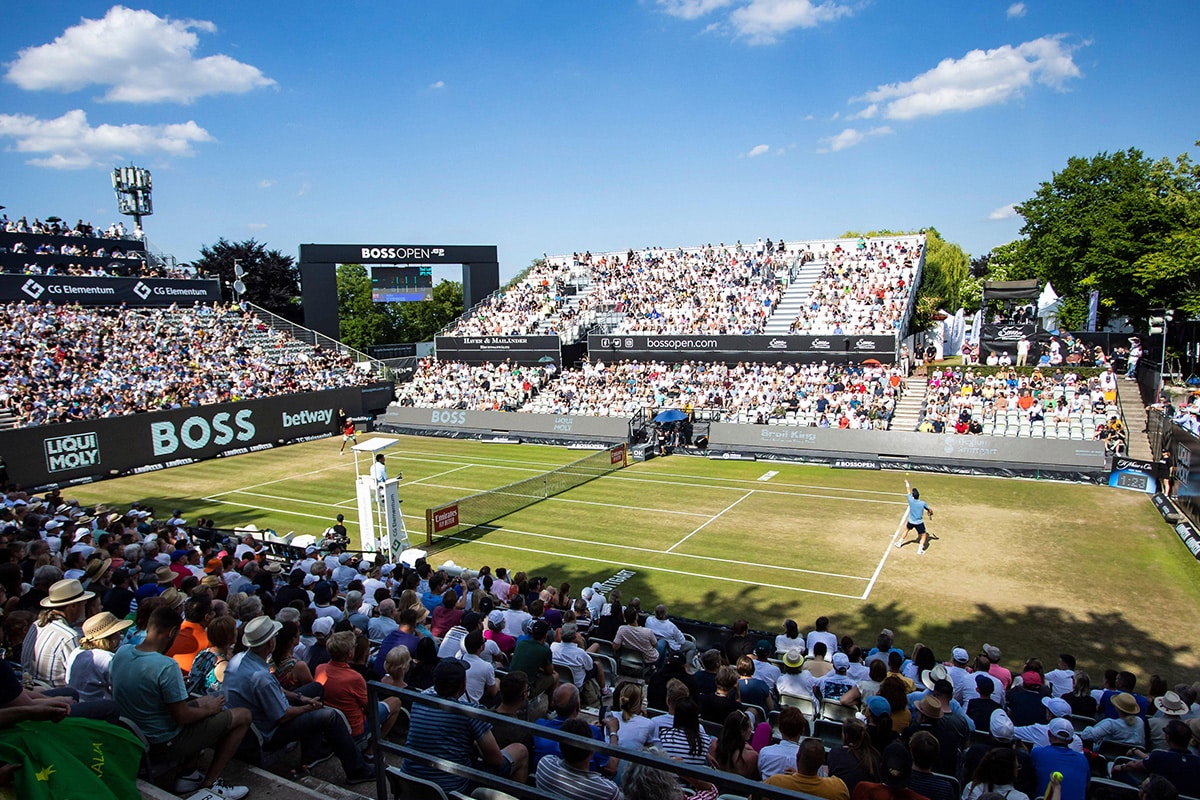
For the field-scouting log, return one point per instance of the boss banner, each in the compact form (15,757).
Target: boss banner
(742,347)
(520,349)
(86,291)
(79,452)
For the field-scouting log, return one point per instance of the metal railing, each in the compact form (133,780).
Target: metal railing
(310,337)
(724,781)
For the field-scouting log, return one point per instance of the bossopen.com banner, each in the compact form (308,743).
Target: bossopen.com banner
(133,292)
(730,348)
(79,452)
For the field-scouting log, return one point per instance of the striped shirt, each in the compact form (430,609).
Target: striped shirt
(555,775)
(442,734)
(45,650)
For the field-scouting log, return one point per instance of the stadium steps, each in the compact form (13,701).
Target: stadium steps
(1130,400)
(8,420)
(323,783)
(908,411)
(794,299)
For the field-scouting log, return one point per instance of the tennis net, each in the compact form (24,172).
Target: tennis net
(484,507)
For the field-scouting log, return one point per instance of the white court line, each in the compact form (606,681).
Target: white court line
(886,553)
(566,500)
(616,477)
(278,497)
(725,579)
(774,483)
(279,480)
(723,560)
(711,520)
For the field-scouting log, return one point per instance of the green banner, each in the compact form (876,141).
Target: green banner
(72,760)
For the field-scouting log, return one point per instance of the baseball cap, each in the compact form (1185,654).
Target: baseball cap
(878,706)
(310,550)
(1060,728)
(496,617)
(841,661)
(984,683)
(1031,678)
(539,628)
(764,646)
(992,652)
(1001,726)
(323,625)
(1057,706)
(960,655)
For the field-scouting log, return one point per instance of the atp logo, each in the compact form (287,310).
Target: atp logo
(33,288)
(141,290)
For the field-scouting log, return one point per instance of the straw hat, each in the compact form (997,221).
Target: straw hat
(96,568)
(259,630)
(103,625)
(211,581)
(930,707)
(64,593)
(1125,703)
(172,598)
(163,576)
(793,657)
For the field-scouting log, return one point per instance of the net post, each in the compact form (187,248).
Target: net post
(429,527)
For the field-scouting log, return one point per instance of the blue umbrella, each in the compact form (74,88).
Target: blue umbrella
(670,415)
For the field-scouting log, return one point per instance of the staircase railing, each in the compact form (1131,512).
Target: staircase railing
(310,337)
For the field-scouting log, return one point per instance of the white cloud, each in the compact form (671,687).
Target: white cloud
(758,150)
(139,56)
(1017,10)
(266,183)
(691,9)
(978,79)
(69,142)
(1004,212)
(438,85)
(255,226)
(870,112)
(849,138)
(764,21)
(304,189)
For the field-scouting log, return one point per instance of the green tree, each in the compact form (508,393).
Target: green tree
(420,321)
(947,278)
(361,322)
(1116,222)
(272,278)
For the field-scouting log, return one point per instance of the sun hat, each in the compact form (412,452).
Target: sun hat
(96,567)
(260,630)
(210,581)
(930,677)
(1171,704)
(273,567)
(64,593)
(103,625)
(793,657)
(1125,703)
(164,576)
(172,598)
(930,706)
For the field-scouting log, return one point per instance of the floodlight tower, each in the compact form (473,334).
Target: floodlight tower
(133,187)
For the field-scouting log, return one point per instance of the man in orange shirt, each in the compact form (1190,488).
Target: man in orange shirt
(193,632)
(346,688)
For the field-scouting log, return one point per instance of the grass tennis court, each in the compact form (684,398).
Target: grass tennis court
(1037,567)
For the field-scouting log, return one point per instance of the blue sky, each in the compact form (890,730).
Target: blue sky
(552,127)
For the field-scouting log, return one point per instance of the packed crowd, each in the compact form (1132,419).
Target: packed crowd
(477,387)
(968,401)
(53,226)
(709,290)
(538,302)
(193,637)
(863,289)
(822,395)
(67,363)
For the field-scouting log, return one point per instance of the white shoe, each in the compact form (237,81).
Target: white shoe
(186,784)
(227,790)
(899,544)
(921,552)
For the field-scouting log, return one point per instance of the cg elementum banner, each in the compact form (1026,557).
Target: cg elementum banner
(85,291)
(80,452)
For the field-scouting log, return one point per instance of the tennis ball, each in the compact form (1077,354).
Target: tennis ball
(1056,776)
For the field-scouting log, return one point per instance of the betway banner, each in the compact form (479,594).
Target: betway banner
(741,348)
(519,349)
(79,452)
(66,289)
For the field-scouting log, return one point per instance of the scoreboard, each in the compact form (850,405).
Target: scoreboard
(401,284)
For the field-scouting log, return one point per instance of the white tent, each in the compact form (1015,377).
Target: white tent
(1048,305)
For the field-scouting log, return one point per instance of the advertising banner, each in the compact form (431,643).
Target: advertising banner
(902,445)
(1128,473)
(79,452)
(520,349)
(1004,338)
(730,348)
(86,291)
(512,423)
